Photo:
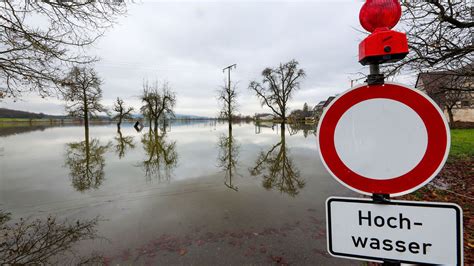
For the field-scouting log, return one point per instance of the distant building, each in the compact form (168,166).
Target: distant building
(319,108)
(452,91)
(264,117)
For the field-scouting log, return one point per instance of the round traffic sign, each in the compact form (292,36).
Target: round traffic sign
(383,139)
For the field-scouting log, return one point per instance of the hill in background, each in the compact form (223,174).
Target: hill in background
(9,113)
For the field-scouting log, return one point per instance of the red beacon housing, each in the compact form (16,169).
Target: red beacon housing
(383,45)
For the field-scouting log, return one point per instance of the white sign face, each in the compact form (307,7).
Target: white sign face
(381,138)
(404,231)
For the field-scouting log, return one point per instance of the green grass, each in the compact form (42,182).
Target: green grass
(15,122)
(462,143)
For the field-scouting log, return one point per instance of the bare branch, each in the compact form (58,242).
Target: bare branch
(439,35)
(34,58)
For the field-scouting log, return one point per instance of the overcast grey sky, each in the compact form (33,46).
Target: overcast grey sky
(187,43)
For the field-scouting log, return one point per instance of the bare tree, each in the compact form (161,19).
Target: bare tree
(439,35)
(41,39)
(227,97)
(42,241)
(278,86)
(452,99)
(122,112)
(449,89)
(83,94)
(157,103)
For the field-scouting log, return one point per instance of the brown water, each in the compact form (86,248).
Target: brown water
(197,194)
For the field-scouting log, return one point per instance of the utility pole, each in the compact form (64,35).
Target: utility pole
(229,68)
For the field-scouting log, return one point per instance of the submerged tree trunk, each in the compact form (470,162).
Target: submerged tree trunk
(149,123)
(155,126)
(230,152)
(86,129)
(282,133)
(86,117)
(283,112)
(119,123)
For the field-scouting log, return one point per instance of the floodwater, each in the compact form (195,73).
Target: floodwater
(195,193)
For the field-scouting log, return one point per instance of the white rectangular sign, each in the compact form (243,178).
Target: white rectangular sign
(403,231)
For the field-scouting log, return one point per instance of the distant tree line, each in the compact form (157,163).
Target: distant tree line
(302,114)
(9,113)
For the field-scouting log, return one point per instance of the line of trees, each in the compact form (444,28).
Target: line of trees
(81,90)
(301,114)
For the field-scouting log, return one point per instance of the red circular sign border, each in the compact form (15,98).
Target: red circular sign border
(431,163)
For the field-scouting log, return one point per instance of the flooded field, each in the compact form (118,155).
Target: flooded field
(195,193)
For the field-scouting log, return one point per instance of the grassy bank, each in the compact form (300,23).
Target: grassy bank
(25,122)
(462,143)
(8,122)
(31,120)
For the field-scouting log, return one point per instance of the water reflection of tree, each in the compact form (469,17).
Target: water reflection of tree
(305,128)
(86,163)
(162,156)
(228,156)
(277,168)
(123,144)
(42,241)
(293,128)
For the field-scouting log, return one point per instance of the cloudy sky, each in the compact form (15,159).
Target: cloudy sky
(188,43)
